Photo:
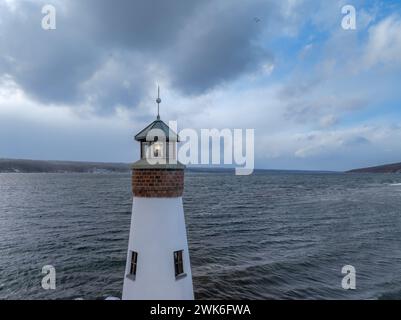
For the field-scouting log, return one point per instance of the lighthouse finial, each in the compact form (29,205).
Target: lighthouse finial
(158,100)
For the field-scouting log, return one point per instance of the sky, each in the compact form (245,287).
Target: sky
(318,97)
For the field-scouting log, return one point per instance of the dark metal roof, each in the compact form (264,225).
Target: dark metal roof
(158,124)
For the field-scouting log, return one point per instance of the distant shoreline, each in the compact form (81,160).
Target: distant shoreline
(56,166)
(42,166)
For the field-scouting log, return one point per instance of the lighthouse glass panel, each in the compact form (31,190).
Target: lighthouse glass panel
(171,151)
(157,150)
(134,259)
(151,150)
(144,149)
(178,263)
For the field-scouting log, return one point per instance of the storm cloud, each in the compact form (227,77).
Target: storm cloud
(110,53)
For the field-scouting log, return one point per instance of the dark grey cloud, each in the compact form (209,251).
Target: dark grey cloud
(221,44)
(48,65)
(150,25)
(102,51)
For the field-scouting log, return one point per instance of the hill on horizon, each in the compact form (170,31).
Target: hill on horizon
(386,168)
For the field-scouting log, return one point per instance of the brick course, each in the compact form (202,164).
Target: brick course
(157,183)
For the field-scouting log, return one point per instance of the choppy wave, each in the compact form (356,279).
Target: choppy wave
(266,236)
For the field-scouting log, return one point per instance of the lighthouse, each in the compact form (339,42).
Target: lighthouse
(158,264)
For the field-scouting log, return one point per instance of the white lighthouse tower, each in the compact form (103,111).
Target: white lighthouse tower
(158,265)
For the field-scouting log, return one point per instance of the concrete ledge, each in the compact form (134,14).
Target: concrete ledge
(131,277)
(144,164)
(180,276)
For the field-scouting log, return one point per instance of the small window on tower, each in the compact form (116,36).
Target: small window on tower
(178,264)
(133,263)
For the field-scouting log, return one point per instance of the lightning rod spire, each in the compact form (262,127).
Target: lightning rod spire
(158,100)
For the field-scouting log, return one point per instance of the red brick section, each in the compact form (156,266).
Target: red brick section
(157,183)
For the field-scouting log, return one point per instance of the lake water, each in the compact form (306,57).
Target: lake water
(272,235)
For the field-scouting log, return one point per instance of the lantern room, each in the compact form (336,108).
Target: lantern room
(158,142)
